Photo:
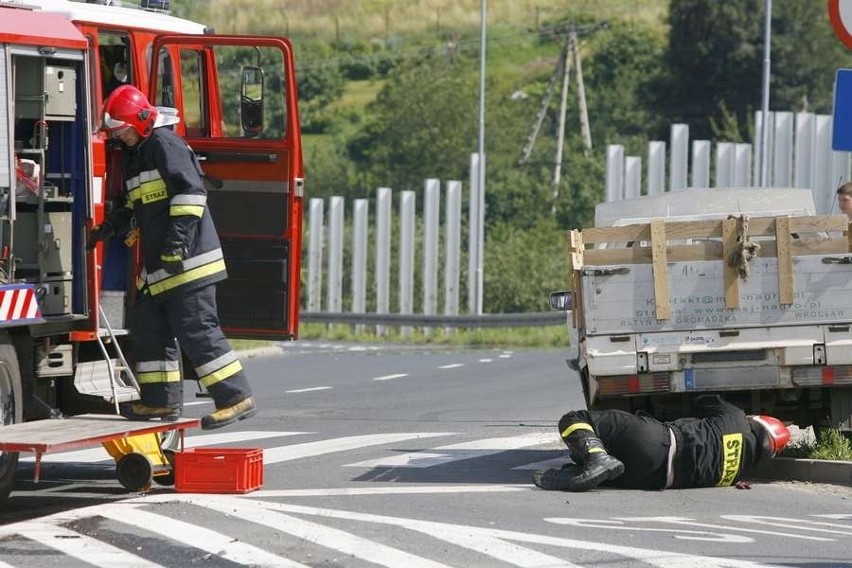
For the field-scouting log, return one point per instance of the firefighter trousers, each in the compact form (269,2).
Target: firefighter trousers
(639,441)
(190,317)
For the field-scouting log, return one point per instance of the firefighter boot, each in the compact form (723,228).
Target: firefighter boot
(598,466)
(557,479)
(230,414)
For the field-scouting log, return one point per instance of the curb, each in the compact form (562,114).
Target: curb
(814,471)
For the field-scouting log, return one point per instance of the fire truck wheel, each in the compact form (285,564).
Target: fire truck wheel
(167,479)
(11,410)
(135,472)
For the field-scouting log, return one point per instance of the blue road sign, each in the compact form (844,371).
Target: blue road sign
(841,135)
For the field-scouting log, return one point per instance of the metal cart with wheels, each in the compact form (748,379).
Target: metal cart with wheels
(135,446)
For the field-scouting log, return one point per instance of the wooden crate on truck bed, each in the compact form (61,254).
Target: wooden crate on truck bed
(723,265)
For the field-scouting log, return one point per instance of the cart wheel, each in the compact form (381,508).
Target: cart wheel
(134,472)
(167,479)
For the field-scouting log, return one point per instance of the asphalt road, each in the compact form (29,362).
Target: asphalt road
(409,457)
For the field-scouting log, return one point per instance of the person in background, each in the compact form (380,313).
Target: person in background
(844,199)
(166,201)
(717,447)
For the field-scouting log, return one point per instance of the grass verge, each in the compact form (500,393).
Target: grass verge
(831,445)
(518,337)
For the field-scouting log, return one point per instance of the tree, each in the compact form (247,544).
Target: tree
(422,125)
(715,57)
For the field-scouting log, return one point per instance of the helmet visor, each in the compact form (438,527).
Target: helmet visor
(110,124)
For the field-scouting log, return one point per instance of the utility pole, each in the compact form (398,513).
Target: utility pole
(570,52)
(560,130)
(585,130)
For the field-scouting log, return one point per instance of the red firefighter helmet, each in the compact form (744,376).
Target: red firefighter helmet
(128,106)
(772,435)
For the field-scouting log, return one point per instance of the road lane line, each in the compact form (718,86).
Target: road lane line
(451,366)
(355,491)
(321,447)
(311,389)
(390,377)
(455,452)
(188,534)
(78,545)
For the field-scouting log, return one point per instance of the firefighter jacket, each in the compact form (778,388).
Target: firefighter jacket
(716,447)
(164,194)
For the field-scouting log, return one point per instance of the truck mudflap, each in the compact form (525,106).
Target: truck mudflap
(19,305)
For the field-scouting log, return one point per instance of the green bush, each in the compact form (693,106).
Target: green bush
(831,445)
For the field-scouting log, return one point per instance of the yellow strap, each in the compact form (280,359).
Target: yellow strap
(578,426)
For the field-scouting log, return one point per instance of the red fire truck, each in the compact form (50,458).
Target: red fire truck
(64,342)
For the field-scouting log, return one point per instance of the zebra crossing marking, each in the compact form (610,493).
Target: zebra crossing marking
(82,547)
(509,547)
(210,541)
(332,445)
(456,452)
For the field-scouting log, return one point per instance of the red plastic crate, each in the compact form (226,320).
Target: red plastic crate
(218,470)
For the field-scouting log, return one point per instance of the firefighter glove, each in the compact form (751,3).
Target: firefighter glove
(171,257)
(99,233)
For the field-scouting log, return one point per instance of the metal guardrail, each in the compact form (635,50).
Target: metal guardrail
(420,320)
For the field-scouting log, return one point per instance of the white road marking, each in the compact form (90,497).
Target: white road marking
(838,517)
(682,534)
(347,543)
(353,491)
(311,389)
(308,449)
(466,450)
(77,545)
(486,360)
(796,524)
(99,454)
(502,545)
(390,377)
(482,539)
(216,543)
(451,366)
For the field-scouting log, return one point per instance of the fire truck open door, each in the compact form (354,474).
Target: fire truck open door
(236,101)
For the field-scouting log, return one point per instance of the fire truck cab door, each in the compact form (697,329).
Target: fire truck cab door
(235,99)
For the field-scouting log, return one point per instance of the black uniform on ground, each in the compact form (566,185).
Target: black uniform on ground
(718,446)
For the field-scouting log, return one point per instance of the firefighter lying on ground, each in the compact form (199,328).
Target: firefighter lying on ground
(718,447)
(182,262)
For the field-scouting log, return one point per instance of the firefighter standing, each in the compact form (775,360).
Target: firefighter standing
(182,260)
(717,447)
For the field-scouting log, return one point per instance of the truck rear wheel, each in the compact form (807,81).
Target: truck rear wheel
(11,411)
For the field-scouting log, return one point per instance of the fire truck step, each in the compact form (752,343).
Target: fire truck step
(92,378)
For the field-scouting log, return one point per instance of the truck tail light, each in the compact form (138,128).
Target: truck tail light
(633,384)
(822,376)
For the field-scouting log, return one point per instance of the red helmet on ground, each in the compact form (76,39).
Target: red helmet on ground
(128,106)
(771,433)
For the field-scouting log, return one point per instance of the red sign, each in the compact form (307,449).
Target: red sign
(840,14)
